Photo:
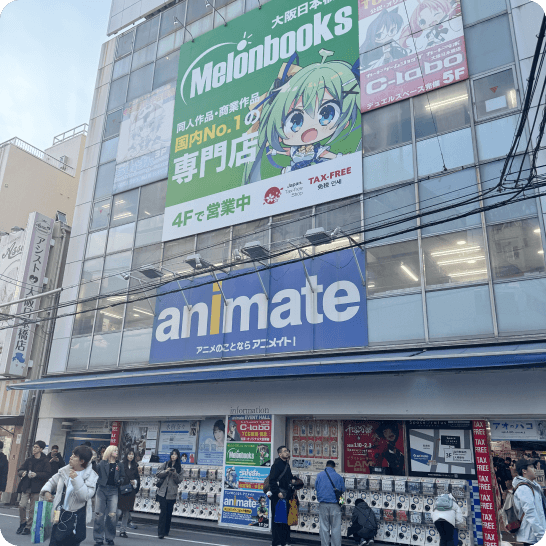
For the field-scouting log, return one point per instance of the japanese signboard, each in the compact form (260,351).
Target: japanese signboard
(518,429)
(181,435)
(313,443)
(409,47)
(246,508)
(292,318)
(115,433)
(18,342)
(245,477)
(274,93)
(249,454)
(212,437)
(249,428)
(374,444)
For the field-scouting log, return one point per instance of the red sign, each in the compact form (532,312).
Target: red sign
(486,484)
(116,431)
(409,47)
(249,428)
(374,444)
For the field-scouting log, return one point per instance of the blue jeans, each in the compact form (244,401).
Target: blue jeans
(106,505)
(330,522)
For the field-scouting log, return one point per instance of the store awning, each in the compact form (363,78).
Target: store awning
(11,420)
(457,358)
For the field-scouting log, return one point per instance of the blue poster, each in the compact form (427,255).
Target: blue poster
(245,477)
(212,437)
(245,508)
(181,435)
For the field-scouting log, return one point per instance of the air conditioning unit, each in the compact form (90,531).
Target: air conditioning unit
(64,162)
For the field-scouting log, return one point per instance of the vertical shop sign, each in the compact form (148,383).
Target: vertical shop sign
(485,484)
(114,435)
(313,443)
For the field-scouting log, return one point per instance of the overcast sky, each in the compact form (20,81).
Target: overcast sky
(49,53)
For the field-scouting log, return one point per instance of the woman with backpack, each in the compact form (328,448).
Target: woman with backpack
(446,516)
(168,476)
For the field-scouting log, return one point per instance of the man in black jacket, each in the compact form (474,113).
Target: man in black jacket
(280,481)
(34,474)
(363,523)
(56,460)
(4,465)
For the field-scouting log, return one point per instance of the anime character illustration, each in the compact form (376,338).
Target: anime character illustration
(146,130)
(380,46)
(305,110)
(394,457)
(233,434)
(219,433)
(263,512)
(232,482)
(265,457)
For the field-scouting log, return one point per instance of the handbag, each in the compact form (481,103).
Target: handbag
(126,489)
(67,526)
(41,523)
(337,492)
(292,518)
(280,512)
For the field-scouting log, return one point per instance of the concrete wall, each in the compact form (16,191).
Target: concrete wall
(73,149)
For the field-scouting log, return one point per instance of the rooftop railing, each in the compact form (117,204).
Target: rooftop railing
(71,133)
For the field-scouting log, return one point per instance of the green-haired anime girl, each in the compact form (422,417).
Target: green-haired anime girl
(305,110)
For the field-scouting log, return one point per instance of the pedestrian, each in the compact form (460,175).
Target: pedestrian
(73,486)
(446,515)
(529,502)
(126,502)
(169,476)
(34,473)
(56,461)
(329,508)
(4,467)
(363,523)
(111,475)
(280,479)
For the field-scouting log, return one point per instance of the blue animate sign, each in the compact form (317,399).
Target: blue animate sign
(325,311)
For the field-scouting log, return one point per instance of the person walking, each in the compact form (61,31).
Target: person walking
(73,486)
(4,467)
(329,507)
(34,473)
(446,515)
(363,523)
(110,475)
(56,461)
(169,476)
(126,502)
(529,502)
(280,481)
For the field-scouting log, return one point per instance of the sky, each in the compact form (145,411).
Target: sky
(49,55)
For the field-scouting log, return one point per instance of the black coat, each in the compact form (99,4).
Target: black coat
(4,466)
(284,483)
(56,466)
(126,502)
(103,469)
(363,519)
(43,473)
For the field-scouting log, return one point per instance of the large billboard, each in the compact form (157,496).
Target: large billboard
(267,117)
(409,47)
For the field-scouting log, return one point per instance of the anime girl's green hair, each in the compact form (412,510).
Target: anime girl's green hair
(309,83)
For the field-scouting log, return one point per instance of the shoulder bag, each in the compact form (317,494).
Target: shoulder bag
(337,492)
(67,524)
(267,487)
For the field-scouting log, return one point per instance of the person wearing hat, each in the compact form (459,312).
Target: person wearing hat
(530,502)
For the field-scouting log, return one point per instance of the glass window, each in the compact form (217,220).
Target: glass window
(115,264)
(146,33)
(121,67)
(83,321)
(175,253)
(125,207)
(118,91)
(120,238)
(167,19)
(388,167)
(125,44)
(386,127)
(495,94)
(464,312)
(166,69)
(344,213)
(146,256)
(449,191)
(391,268)
(105,179)
(520,306)
(214,246)
(495,137)
(109,150)
(91,276)
(152,200)
(248,232)
(96,243)
(143,56)
(79,353)
(489,44)
(101,214)
(455,258)
(149,231)
(390,206)
(196,10)
(395,319)
(170,42)
(476,11)
(289,227)
(442,110)
(104,352)
(516,249)
(113,122)
(111,318)
(135,347)
(490,176)
(140,82)
(221,3)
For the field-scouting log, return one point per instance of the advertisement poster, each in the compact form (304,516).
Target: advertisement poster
(140,436)
(212,438)
(374,444)
(245,477)
(313,443)
(442,449)
(247,508)
(267,117)
(249,428)
(249,454)
(518,429)
(409,47)
(181,435)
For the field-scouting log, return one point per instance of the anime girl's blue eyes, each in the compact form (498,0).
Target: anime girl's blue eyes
(294,121)
(329,113)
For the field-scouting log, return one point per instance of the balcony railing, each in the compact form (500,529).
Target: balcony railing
(71,133)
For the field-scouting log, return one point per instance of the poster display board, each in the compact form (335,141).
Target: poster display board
(313,443)
(518,429)
(442,449)
(212,439)
(181,435)
(371,445)
(141,437)
(245,469)
(409,47)
(267,117)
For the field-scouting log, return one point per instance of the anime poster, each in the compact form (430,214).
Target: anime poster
(249,428)
(181,435)
(409,47)
(247,508)
(373,445)
(313,443)
(267,117)
(212,438)
(139,436)
(249,454)
(245,477)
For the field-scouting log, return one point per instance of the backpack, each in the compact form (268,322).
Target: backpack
(444,503)
(508,515)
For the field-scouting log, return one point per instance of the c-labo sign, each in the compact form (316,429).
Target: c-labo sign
(295,315)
